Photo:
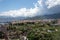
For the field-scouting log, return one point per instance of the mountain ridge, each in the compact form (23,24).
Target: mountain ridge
(50,16)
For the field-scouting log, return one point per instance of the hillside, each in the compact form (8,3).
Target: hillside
(51,16)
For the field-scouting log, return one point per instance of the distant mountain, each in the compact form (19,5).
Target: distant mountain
(50,16)
(9,19)
(53,16)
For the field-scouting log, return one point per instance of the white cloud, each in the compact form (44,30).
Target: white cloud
(41,7)
(21,12)
(48,6)
(52,3)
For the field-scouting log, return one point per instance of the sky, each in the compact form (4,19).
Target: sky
(28,8)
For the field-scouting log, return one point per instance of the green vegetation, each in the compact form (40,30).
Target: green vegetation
(35,31)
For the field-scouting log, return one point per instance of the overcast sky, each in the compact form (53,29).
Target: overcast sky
(28,8)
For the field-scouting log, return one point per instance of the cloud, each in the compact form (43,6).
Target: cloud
(52,3)
(53,6)
(48,6)
(21,12)
(41,7)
